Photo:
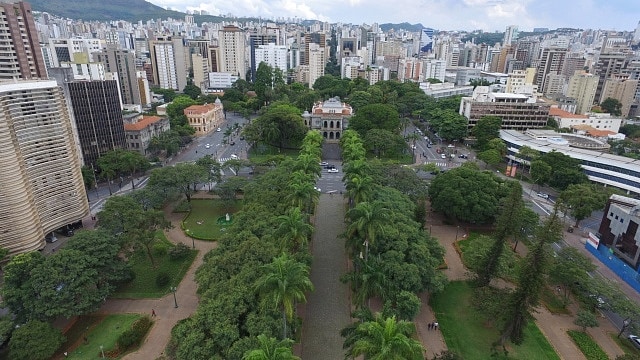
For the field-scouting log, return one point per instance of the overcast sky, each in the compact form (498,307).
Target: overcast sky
(488,15)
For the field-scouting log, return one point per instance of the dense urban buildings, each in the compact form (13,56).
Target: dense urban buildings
(41,184)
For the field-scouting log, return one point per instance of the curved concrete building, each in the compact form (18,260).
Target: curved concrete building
(41,186)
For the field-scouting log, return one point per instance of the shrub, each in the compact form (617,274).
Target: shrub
(162,279)
(178,252)
(160,248)
(590,349)
(183,207)
(134,335)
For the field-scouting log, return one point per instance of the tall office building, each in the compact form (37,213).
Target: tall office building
(168,63)
(426,40)
(98,117)
(510,35)
(122,62)
(582,87)
(551,62)
(232,51)
(21,54)
(636,33)
(41,184)
(621,88)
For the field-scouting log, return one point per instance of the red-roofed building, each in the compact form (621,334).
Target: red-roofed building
(204,118)
(140,132)
(598,121)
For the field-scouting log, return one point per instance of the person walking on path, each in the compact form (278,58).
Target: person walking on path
(153,313)
(435,325)
(430,326)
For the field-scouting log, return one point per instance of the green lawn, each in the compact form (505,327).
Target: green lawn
(201,223)
(470,333)
(144,284)
(99,330)
(475,245)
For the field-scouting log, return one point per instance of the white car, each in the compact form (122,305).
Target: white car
(443,156)
(543,195)
(324,163)
(207,146)
(334,170)
(635,341)
(234,156)
(218,129)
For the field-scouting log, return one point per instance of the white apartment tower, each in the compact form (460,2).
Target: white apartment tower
(41,184)
(510,34)
(582,87)
(273,55)
(233,46)
(168,63)
(317,62)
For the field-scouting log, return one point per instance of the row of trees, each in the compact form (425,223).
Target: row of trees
(250,284)
(393,257)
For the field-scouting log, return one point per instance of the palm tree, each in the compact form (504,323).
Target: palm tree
(359,188)
(368,281)
(386,339)
(302,194)
(367,220)
(309,164)
(284,283)
(271,349)
(294,230)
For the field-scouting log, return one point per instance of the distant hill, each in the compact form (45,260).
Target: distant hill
(405,26)
(101,10)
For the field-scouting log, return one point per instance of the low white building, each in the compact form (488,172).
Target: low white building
(442,90)
(221,80)
(600,121)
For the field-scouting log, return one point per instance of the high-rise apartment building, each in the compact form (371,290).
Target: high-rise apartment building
(621,88)
(317,62)
(609,64)
(68,50)
(232,51)
(122,62)
(41,184)
(21,54)
(261,37)
(551,62)
(273,55)
(97,113)
(582,87)
(319,39)
(510,35)
(168,63)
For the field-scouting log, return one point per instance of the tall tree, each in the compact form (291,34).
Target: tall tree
(449,124)
(366,221)
(35,340)
(487,128)
(531,280)
(283,285)
(612,106)
(386,338)
(293,229)
(271,349)
(375,116)
(507,224)
(583,199)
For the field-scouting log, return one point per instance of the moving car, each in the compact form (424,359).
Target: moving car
(543,195)
(207,146)
(444,156)
(333,170)
(234,156)
(218,129)
(324,163)
(635,340)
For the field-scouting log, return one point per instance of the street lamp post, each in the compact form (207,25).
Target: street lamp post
(457,229)
(193,243)
(175,300)
(102,350)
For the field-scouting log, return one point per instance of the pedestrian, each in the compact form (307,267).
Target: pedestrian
(429,326)
(435,326)
(153,313)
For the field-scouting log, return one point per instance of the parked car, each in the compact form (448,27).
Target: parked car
(444,156)
(232,143)
(218,129)
(635,340)
(333,170)
(324,163)
(543,195)
(207,146)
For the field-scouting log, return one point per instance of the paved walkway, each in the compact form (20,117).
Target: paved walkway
(167,314)
(328,307)
(553,326)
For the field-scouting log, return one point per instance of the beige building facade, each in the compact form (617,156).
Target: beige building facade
(41,184)
(204,118)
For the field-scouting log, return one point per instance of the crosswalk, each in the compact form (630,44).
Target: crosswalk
(223,160)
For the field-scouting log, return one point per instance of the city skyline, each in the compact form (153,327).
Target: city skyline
(488,15)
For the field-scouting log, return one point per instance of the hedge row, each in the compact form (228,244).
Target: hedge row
(590,349)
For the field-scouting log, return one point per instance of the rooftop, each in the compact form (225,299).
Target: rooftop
(554,111)
(143,123)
